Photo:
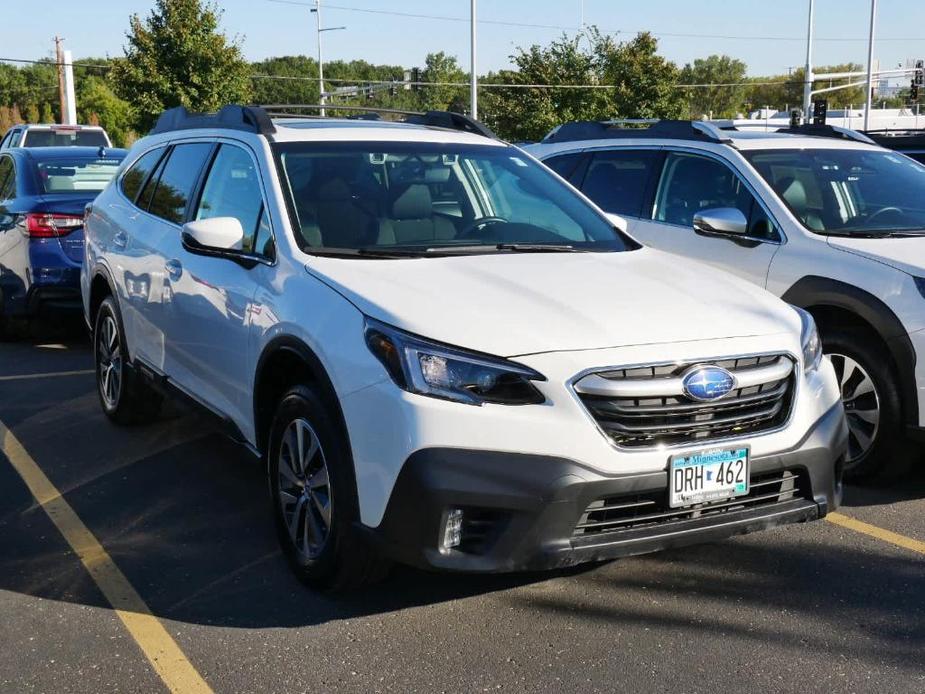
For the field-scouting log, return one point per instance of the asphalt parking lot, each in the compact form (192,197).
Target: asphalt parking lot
(183,514)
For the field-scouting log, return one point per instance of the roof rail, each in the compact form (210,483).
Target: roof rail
(616,129)
(248,118)
(434,119)
(818,130)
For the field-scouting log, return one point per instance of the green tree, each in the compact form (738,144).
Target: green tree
(178,57)
(440,67)
(32,114)
(96,100)
(48,115)
(644,83)
(721,101)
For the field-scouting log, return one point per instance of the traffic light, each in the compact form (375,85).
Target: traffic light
(819,110)
(415,78)
(914,91)
(796,117)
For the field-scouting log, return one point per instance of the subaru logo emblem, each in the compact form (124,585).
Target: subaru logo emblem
(706,383)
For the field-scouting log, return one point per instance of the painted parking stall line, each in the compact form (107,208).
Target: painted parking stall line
(876,532)
(55,374)
(165,656)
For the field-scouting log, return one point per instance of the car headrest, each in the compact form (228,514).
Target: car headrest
(413,203)
(793,192)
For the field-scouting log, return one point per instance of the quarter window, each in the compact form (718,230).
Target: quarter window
(175,185)
(617,180)
(692,183)
(566,165)
(232,189)
(135,177)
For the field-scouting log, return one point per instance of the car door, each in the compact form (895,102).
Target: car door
(691,182)
(164,205)
(211,297)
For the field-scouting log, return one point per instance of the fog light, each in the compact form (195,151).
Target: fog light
(452,530)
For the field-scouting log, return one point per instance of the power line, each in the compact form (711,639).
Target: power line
(55,64)
(559,27)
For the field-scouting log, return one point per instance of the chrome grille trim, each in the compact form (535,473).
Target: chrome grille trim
(644,406)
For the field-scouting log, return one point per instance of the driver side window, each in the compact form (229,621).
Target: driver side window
(691,183)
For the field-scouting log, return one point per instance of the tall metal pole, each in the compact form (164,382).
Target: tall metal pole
(320,61)
(808,74)
(870,64)
(473,74)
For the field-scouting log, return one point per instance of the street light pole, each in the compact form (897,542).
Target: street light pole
(870,64)
(473,75)
(808,74)
(317,10)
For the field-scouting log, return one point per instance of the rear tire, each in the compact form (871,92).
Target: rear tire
(123,397)
(877,443)
(314,496)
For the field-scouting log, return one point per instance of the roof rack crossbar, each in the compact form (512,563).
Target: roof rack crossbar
(434,119)
(617,129)
(248,118)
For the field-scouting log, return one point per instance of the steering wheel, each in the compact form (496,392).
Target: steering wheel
(882,210)
(479,223)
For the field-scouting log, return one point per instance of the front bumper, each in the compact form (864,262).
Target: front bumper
(522,510)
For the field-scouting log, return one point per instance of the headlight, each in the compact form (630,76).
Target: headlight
(439,371)
(809,340)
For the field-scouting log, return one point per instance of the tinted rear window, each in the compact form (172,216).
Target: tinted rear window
(64,138)
(76,176)
(135,177)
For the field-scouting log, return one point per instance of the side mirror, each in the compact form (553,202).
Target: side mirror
(222,235)
(617,221)
(721,221)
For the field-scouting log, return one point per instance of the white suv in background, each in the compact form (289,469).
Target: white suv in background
(818,215)
(446,356)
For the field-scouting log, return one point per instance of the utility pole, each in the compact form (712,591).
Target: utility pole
(473,75)
(808,74)
(59,57)
(317,10)
(870,64)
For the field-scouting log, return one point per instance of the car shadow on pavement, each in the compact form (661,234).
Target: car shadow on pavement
(905,487)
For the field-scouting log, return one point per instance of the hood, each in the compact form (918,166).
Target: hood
(906,254)
(516,304)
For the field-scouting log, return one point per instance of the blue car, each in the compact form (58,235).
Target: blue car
(43,193)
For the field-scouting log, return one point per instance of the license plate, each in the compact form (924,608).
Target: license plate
(704,476)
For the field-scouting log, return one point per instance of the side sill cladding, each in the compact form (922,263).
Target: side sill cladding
(813,292)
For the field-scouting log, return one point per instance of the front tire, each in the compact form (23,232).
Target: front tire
(123,398)
(314,495)
(877,443)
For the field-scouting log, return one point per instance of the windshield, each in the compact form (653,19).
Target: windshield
(401,198)
(76,175)
(847,192)
(64,138)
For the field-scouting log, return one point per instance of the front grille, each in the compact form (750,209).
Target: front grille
(615,514)
(646,406)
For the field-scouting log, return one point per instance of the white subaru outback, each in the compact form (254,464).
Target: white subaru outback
(445,355)
(820,216)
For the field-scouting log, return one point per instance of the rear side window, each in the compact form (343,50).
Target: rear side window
(7,179)
(135,177)
(232,189)
(175,185)
(16,137)
(566,165)
(617,180)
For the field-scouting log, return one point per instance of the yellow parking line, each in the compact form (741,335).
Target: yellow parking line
(168,661)
(56,374)
(874,531)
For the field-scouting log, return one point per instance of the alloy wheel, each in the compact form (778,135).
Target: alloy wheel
(109,360)
(304,488)
(862,406)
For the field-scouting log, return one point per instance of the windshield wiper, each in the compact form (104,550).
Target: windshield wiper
(513,247)
(885,234)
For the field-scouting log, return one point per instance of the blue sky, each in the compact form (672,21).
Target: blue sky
(267,28)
